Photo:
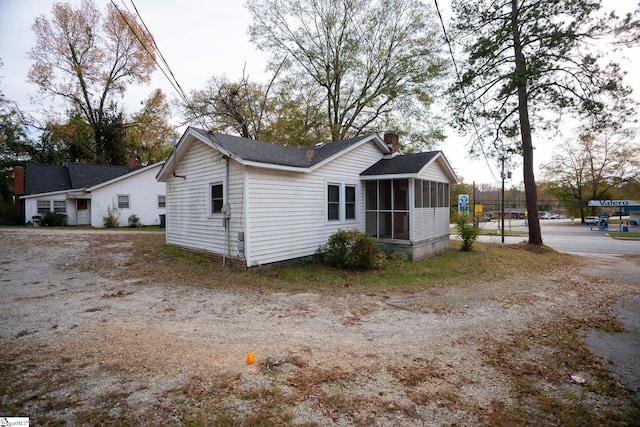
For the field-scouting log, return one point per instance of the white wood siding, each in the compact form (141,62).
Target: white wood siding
(189,222)
(431,222)
(143,191)
(31,206)
(287,211)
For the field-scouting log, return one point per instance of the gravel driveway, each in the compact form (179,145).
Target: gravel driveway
(86,340)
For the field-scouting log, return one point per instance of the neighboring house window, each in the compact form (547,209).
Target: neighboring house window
(162,201)
(217,197)
(44,206)
(60,206)
(387,209)
(123,201)
(333,202)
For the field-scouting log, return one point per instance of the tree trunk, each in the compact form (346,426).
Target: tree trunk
(531,192)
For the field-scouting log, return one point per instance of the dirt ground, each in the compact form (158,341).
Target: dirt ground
(85,339)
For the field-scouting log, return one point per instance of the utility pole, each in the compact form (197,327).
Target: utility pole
(502,198)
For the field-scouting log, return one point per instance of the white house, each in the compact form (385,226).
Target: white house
(260,203)
(83,192)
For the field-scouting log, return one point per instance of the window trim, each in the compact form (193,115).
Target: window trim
(210,206)
(164,201)
(38,202)
(342,201)
(64,206)
(128,196)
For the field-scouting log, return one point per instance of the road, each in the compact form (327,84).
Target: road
(562,236)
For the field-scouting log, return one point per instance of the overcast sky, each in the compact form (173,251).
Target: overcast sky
(199,39)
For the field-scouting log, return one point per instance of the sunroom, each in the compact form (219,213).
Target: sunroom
(407,203)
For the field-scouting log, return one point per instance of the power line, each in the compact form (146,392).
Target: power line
(464,94)
(172,79)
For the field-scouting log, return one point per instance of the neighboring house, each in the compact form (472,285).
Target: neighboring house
(260,203)
(83,192)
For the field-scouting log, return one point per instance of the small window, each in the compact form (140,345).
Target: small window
(350,202)
(123,201)
(60,206)
(217,197)
(44,206)
(333,202)
(162,202)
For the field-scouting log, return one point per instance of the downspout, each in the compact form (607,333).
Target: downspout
(227,214)
(174,171)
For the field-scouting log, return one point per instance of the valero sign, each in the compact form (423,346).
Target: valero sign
(614,203)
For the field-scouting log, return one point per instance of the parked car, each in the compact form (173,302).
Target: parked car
(591,220)
(633,222)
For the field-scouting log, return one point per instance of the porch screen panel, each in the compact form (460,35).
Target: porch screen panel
(386,226)
(417,193)
(372,223)
(434,194)
(384,195)
(426,203)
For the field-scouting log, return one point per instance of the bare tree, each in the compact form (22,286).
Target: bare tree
(88,59)
(592,166)
(367,57)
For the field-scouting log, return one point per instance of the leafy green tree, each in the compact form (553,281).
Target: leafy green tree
(72,141)
(14,146)
(88,59)
(593,166)
(373,62)
(527,63)
(150,134)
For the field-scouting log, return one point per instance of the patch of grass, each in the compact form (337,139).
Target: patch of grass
(544,389)
(157,262)
(624,236)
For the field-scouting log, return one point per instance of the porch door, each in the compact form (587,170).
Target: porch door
(83,217)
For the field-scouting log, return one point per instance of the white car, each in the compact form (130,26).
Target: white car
(591,220)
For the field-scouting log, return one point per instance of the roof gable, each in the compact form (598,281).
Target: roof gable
(408,165)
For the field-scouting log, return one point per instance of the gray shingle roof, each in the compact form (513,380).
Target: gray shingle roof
(400,164)
(40,178)
(265,152)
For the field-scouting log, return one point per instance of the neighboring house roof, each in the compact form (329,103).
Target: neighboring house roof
(136,171)
(265,154)
(41,178)
(408,165)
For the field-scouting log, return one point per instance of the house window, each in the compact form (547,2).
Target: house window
(60,206)
(123,201)
(350,202)
(333,202)
(162,202)
(216,191)
(387,209)
(341,202)
(44,206)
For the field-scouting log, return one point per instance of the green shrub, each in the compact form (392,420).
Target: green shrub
(53,219)
(112,218)
(468,231)
(134,221)
(353,250)
(8,214)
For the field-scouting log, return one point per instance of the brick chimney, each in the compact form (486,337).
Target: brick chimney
(133,161)
(18,188)
(392,140)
